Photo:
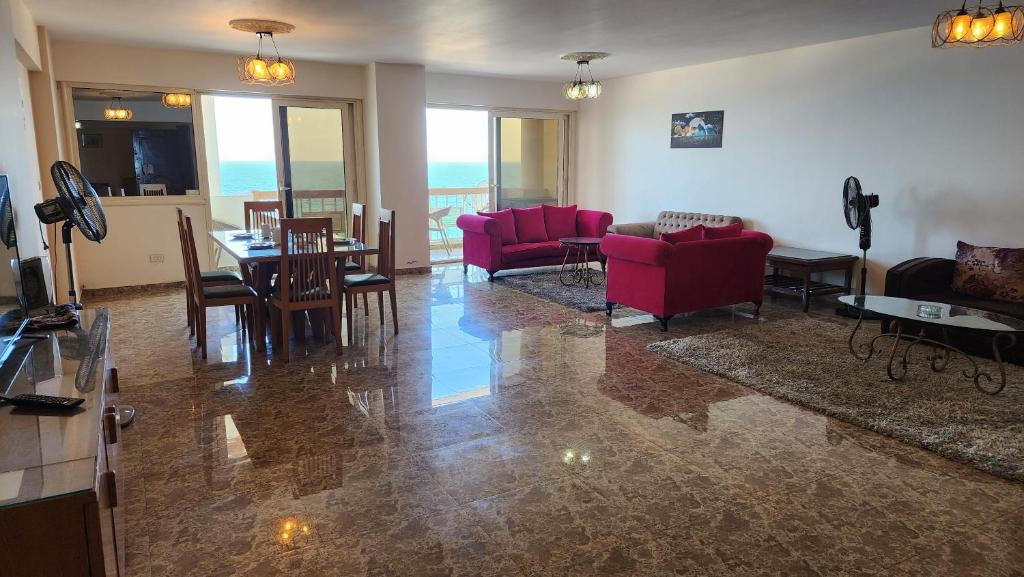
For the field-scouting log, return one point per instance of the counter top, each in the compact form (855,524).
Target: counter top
(48,455)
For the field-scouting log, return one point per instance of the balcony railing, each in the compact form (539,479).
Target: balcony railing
(462,201)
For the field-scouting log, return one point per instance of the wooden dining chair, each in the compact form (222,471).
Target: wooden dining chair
(260,212)
(358,234)
(307,277)
(204,297)
(207,278)
(379,282)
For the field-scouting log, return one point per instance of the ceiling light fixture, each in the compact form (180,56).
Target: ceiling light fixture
(982,26)
(580,88)
(275,71)
(177,100)
(117,111)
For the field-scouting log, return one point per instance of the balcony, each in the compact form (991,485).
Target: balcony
(458,201)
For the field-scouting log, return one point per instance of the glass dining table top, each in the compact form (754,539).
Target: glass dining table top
(238,246)
(947,315)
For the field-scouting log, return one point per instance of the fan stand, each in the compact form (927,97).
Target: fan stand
(853,312)
(125,413)
(66,237)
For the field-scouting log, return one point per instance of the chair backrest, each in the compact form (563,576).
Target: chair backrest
(307,260)
(358,231)
(386,238)
(260,212)
(184,248)
(192,262)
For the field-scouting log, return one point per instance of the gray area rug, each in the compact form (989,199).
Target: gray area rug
(807,362)
(546,285)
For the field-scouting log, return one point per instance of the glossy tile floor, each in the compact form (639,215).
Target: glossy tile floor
(499,434)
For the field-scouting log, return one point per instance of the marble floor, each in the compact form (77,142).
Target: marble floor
(499,434)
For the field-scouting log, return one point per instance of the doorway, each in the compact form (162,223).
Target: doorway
(483,160)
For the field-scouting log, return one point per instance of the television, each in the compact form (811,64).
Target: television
(13,314)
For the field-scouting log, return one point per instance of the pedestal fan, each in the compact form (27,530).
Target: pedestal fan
(857,210)
(77,205)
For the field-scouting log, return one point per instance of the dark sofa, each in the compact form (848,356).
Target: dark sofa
(931,279)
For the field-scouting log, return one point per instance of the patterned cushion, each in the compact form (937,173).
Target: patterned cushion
(989,272)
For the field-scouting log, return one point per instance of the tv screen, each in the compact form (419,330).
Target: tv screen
(12,311)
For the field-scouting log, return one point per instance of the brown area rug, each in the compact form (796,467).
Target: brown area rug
(807,362)
(545,284)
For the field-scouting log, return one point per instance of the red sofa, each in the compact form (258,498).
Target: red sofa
(668,279)
(523,238)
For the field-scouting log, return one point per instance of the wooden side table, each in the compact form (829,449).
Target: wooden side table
(801,263)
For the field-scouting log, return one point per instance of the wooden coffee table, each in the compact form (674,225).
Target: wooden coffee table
(802,263)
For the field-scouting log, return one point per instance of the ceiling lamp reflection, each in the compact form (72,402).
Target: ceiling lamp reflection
(177,100)
(260,69)
(117,111)
(583,86)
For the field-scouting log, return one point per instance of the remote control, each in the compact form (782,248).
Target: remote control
(43,402)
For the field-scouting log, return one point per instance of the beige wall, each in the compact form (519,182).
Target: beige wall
(138,232)
(936,133)
(396,127)
(494,92)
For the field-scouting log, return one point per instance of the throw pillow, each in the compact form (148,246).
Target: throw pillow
(530,224)
(717,232)
(507,222)
(559,221)
(686,235)
(989,272)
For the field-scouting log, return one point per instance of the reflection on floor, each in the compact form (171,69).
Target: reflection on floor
(441,254)
(500,434)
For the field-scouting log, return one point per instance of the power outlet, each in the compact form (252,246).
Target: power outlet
(157,258)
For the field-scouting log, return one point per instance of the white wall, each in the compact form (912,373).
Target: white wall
(495,92)
(938,134)
(17,147)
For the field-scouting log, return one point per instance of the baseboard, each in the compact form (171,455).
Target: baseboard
(116,292)
(415,270)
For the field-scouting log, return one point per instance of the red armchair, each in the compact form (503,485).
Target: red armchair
(669,279)
(492,241)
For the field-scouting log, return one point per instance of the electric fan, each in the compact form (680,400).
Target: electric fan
(78,206)
(857,210)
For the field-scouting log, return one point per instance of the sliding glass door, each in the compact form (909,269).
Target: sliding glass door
(314,147)
(530,153)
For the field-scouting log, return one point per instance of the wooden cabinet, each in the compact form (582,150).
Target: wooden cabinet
(61,496)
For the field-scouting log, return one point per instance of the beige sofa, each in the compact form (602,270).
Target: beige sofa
(671,221)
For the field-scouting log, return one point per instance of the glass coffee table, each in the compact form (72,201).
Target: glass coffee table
(1001,329)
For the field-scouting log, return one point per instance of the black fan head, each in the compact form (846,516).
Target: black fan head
(8,236)
(853,202)
(79,201)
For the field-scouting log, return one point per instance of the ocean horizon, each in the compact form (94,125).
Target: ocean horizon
(242,177)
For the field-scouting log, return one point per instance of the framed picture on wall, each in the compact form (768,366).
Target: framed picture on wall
(698,129)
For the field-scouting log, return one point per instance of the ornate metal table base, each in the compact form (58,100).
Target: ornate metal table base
(898,363)
(578,271)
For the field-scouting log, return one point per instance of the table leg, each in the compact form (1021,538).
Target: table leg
(805,296)
(585,263)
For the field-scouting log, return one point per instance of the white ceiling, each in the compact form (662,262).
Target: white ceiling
(522,38)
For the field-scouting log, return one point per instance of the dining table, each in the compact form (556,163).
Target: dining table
(258,265)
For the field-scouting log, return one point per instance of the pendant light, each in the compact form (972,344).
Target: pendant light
(583,87)
(258,69)
(980,26)
(117,111)
(177,100)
